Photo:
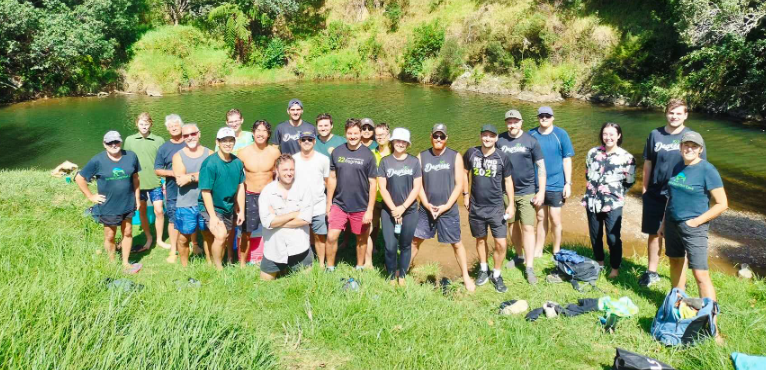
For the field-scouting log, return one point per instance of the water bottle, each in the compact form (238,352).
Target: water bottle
(397,229)
(350,284)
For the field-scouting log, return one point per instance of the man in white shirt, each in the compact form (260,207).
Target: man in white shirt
(312,169)
(285,209)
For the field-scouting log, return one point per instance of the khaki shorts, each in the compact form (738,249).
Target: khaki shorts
(525,210)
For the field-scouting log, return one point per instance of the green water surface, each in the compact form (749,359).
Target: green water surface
(44,133)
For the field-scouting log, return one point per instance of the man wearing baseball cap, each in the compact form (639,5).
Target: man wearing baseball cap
(288,132)
(368,133)
(221,184)
(442,170)
(526,155)
(116,174)
(312,169)
(489,173)
(558,152)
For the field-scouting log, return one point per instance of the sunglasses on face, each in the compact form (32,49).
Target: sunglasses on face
(438,136)
(544,116)
(114,143)
(193,134)
(306,139)
(367,128)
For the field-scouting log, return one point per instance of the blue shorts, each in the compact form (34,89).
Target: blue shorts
(170,211)
(319,224)
(153,194)
(189,220)
(446,226)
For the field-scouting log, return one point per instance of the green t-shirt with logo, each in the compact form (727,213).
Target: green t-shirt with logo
(146,149)
(222,179)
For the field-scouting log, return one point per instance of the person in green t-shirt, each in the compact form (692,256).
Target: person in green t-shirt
(234,121)
(146,144)
(221,184)
(326,141)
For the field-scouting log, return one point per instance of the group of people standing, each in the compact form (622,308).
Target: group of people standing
(302,186)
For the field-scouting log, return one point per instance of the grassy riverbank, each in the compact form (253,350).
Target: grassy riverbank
(57,315)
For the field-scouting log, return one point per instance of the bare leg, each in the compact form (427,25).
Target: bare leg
(173,243)
(197,250)
(230,245)
(678,272)
(319,245)
(542,230)
(127,241)
(499,254)
(516,239)
(159,224)
(109,234)
(361,247)
(705,284)
(268,277)
(416,242)
(555,217)
(145,226)
(528,235)
(332,246)
(219,244)
(481,249)
(207,238)
(654,245)
(182,244)
(244,249)
(462,262)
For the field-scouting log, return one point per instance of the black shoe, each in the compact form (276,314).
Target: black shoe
(498,283)
(482,278)
(648,279)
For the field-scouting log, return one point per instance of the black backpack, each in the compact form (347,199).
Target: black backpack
(626,360)
(586,271)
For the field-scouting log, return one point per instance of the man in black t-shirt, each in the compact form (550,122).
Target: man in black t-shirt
(287,134)
(529,189)
(163,167)
(351,190)
(116,174)
(489,172)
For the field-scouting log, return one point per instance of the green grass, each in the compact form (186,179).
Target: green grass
(56,314)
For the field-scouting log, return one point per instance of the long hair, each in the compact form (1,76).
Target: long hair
(616,127)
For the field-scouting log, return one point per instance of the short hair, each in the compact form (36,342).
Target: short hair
(144,116)
(675,103)
(232,112)
(324,116)
(173,118)
(265,124)
(283,158)
(353,122)
(187,125)
(616,127)
(383,125)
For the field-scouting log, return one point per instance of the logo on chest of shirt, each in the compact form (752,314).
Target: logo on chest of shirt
(404,171)
(117,174)
(436,167)
(288,137)
(518,148)
(354,161)
(669,147)
(484,167)
(679,181)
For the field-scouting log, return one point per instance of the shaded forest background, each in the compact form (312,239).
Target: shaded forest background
(640,53)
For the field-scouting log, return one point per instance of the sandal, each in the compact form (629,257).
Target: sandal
(133,269)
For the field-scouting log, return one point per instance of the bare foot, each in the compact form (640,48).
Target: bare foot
(614,274)
(538,254)
(146,246)
(163,245)
(171,259)
(368,266)
(197,250)
(470,285)
(402,282)
(392,282)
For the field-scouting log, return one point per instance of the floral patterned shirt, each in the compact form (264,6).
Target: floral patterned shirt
(609,178)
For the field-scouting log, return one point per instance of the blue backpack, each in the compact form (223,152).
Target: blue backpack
(671,330)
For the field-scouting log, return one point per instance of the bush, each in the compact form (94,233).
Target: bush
(274,55)
(340,64)
(371,48)
(426,42)
(451,60)
(394,14)
(498,60)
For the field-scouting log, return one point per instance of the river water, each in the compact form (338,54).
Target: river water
(44,133)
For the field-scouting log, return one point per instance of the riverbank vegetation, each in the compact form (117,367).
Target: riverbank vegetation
(58,313)
(711,52)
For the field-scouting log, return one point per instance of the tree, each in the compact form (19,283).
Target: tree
(706,22)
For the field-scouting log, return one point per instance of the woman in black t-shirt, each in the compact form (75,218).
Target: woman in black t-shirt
(399,178)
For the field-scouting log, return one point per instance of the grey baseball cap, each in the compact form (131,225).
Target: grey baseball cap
(112,136)
(545,110)
(489,127)
(439,127)
(513,113)
(367,122)
(293,102)
(694,137)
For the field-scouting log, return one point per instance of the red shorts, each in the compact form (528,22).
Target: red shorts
(338,220)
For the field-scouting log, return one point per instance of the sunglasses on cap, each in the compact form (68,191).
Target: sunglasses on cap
(305,139)
(193,134)
(544,116)
(114,143)
(439,136)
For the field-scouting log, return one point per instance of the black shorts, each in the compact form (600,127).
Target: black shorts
(115,220)
(252,218)
(554,199)
(481,217)
(228,221)
(294,263)
(446,227)
(682,240)
(653,212)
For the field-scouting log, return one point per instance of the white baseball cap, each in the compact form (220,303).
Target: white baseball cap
(401,133)
(225,132)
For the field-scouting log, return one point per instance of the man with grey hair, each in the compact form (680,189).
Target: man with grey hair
(163,167)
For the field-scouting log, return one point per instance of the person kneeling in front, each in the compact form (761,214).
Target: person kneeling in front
(285,208)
